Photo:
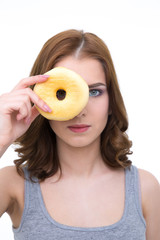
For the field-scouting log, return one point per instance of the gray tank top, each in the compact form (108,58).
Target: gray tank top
(37,224)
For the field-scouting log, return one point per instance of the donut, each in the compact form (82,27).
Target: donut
(65,92)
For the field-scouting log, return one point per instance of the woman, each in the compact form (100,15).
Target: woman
(79,182)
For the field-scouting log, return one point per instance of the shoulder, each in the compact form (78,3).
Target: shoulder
(150,187)
(150,195)
(148,179)
(10,179)
(149,183)
(9,172)
(11,189)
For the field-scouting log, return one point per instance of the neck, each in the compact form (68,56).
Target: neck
(80,161)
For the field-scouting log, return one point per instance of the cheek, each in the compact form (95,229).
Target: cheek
(100,108)
(51,123)
(58,127)
(55,126)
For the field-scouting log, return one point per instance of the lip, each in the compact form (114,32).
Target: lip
(79,128)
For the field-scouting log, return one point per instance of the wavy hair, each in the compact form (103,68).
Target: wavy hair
(37,147)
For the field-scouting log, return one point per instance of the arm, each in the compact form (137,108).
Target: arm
(16,115)
(16,111)
(11,194)
(5,191)
(3,148)
(5,199)
(150,189)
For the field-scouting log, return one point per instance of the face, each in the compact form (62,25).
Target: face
(86,127)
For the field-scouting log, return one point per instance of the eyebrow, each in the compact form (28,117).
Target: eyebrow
(96,85)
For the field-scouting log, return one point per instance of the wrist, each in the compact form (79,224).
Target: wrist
(3,146)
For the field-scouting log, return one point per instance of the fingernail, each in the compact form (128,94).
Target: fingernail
(47,108)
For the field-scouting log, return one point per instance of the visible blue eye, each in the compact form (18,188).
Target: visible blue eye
(95,92)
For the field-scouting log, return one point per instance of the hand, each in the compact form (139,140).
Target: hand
(16,111)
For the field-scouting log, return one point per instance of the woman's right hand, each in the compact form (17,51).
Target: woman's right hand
(16,111)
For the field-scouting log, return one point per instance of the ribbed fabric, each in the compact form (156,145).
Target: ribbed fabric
(37,224)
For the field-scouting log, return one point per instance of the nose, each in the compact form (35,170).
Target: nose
(83,113)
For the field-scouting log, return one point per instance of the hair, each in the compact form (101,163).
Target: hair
(37,146)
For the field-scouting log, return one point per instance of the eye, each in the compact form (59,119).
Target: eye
(95,92)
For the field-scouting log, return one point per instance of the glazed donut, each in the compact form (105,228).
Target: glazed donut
(65,92)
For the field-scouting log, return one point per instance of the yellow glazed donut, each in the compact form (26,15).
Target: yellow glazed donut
(65,92)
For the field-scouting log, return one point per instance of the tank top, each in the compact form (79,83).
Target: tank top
(37,224)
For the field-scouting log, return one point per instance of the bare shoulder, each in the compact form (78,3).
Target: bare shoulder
(11,179)
(11,189)
(9,172)
(147,176)
(149,182)
(150,192)
(150,186)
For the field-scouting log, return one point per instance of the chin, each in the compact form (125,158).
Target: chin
(79,142)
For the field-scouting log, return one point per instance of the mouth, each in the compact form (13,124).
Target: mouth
(79,128)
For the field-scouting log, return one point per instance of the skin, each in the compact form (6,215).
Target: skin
(81,162)
(77,145)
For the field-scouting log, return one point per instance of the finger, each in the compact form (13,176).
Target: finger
(13,105)
(34,113)
(26,82)
(32,117)
(22,112)
(38,101)
(29,110)
(17,102)
(33,97)
(25,100)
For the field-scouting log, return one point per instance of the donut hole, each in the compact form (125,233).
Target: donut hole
(61,94)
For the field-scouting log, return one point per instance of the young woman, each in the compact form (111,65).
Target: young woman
(73,179)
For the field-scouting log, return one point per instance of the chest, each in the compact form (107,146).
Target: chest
(85,204)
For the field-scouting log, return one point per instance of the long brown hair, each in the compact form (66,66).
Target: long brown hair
(37,147)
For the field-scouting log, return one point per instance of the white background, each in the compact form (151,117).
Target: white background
(131,30)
